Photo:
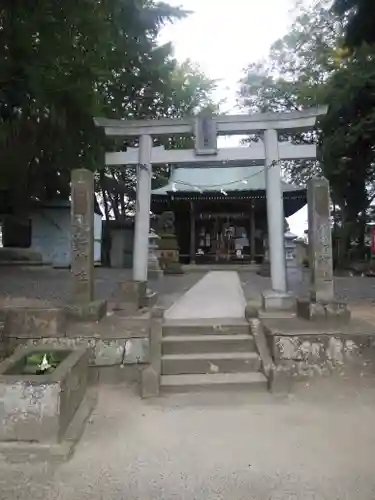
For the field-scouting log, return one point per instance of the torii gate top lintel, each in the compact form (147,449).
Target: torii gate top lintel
(225,124)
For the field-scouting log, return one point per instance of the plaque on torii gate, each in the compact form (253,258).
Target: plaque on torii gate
(205,131)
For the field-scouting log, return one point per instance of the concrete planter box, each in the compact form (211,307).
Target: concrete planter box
(39,408)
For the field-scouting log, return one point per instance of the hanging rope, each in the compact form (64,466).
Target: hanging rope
(202,187)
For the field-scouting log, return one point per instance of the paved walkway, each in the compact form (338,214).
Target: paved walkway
(316,445)
(217,295)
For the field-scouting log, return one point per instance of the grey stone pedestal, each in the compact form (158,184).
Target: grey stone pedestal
(94,310)
(132,296)
(322,311)
(283,301)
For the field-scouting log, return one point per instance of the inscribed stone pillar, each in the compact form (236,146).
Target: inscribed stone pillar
(320,240)
(82,235)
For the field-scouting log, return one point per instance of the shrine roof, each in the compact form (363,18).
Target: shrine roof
(188,179)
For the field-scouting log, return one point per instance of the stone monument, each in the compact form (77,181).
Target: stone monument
(322,303)
(83,306)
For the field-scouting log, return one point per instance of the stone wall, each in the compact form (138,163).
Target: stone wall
(306,355)
(114,341)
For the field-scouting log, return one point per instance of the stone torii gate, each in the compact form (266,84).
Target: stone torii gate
(206,129)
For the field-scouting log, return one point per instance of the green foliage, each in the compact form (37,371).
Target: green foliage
(361,21)
(349,133)
(309,67)
(61,63)
(293,76)
(34,363)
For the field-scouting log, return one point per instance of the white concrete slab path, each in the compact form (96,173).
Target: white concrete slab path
(217,295)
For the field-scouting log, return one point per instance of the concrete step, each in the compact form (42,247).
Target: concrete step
(226,326)
(230,362)
(218,381)
(190,344)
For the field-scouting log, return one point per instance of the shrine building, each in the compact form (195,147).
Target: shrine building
(221,211)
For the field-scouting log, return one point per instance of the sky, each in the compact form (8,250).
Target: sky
(224,37)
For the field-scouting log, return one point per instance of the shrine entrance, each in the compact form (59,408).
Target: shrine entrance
(222,237)
(268,151)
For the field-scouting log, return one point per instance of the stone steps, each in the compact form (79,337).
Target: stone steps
(199,355)
(226,326)
(210,363)
(190,344)
(206,339)
(209,382)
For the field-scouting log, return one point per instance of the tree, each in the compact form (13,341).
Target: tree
(292,77)
(63,63)
(186,92)
(60,65)
(361,21)
(308,67)
(348,140)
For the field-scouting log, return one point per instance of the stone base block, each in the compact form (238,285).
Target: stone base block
(133,293)
(150,383)
(33,321)
(323,311)
(272,300)
(90,311)
(173,268)
(23,452)
(298,344)
(126,308)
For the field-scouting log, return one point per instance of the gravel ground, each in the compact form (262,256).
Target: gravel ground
(316,445)
(54,285)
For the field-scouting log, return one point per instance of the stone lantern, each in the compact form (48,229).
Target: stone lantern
(154,271)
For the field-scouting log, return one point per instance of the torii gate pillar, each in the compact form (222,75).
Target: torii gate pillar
(142,213)
(275,211)
(278,297)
